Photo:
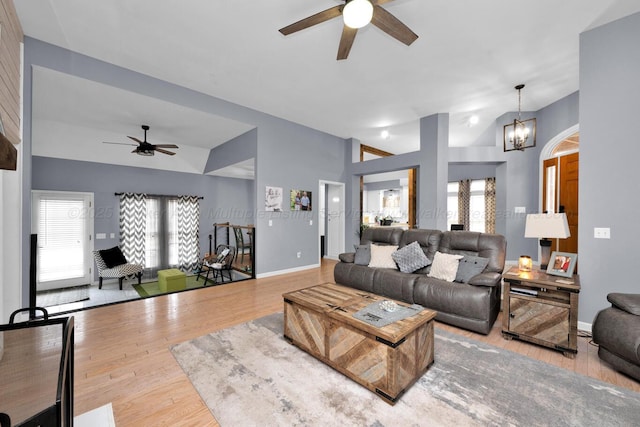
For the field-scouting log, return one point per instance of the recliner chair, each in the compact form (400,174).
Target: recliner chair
(617,332)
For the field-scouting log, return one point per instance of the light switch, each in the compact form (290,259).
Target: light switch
(112,235)
(521,209)
(101,236)
(270,223)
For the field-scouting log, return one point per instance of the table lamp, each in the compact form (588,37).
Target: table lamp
(546,227)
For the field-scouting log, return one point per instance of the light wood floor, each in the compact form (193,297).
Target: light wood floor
(122,351)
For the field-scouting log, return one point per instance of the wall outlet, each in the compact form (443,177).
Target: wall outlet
(602,233)
(310,222)
(112,235)
(299,254)
(270,223)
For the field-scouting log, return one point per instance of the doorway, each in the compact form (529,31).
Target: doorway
(560,179)
(332,219)
(63,222)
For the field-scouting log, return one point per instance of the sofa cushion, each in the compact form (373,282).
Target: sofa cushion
(444,266)
(470,266)
(363,255)
(381,256)
(381,236)
(113,257)
(410,258)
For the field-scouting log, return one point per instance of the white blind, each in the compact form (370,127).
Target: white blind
(60,239)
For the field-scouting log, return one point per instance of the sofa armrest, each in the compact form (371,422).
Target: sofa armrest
(486,278)
(626,302)
(348,257)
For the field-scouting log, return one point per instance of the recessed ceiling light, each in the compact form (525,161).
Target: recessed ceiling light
(384,134)
(473,120)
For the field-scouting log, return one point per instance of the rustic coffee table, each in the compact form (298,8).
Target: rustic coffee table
(387,360)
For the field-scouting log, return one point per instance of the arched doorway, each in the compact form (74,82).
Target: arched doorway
(560,178)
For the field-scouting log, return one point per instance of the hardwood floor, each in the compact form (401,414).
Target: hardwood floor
(122,351)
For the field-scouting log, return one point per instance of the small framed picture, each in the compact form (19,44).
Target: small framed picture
(562,264)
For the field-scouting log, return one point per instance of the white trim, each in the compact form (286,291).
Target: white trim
(545,154)
(583,326)
(287,271)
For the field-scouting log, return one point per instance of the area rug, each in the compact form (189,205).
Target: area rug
(152,289)
(248,375)
(62,296)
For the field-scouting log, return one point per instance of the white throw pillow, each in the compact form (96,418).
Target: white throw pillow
(445,266)
(381,256)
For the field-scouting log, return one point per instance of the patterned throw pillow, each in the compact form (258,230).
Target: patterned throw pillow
(470,266)
(410,258)
(445,266)
(381,256)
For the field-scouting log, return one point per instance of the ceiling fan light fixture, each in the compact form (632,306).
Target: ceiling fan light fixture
(357,13)
(144,152)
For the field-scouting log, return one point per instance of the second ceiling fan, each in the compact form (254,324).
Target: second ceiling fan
(357,14)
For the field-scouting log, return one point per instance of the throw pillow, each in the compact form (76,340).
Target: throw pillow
(381,256)
(470,266)
(445,266)
(363,255)
(410,258)
(113,257)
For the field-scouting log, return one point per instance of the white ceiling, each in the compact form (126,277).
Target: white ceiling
(469,56)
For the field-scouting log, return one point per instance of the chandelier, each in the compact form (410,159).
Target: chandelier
(520,134)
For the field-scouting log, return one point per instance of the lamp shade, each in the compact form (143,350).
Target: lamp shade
(357,13)
(547,226)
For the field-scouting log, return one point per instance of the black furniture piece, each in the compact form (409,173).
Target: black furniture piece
(242,245)
(617,332)
(218,264)
(36,372)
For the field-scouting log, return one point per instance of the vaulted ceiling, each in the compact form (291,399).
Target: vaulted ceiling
(469,56)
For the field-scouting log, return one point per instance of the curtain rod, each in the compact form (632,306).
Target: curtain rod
(157,195)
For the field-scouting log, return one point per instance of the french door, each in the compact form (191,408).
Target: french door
(63,222)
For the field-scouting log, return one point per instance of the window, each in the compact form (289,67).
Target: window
(468,202)
(452,204)
(167,224)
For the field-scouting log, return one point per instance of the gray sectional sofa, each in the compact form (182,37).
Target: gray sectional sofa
(473,304)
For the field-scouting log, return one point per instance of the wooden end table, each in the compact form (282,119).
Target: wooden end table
(541,309)
(387,360)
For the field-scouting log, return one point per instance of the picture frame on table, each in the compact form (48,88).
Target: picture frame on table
(562,264)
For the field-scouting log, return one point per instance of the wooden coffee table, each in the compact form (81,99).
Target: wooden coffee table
(387,360)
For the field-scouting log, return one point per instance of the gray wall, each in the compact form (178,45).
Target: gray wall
(609,152)
(287,154)
(225,199)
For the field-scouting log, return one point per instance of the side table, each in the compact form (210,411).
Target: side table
(541,309)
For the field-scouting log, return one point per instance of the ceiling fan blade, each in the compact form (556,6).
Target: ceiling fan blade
(346,41)
(166,146)
(392,26)
(119,143)
(135,139)
(164,151)
(312,20)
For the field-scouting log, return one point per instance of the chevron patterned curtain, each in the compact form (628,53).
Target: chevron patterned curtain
(490,205)
(133,214)
(464,204)
(188,226)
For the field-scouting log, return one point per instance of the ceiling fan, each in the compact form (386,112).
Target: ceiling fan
(146,149)
(356,14)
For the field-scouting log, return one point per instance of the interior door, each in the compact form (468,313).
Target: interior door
(335,220)
(63,222)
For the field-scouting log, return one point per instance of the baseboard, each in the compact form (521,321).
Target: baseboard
(289,270)
(583,326)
